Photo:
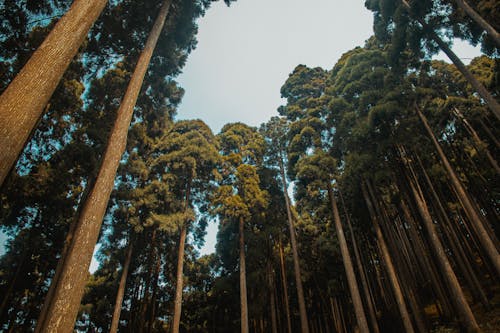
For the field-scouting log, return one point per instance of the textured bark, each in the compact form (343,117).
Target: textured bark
(396,287)
(68,292)
(480,89)
(349,269)
(180,266)
(243,280)
(483,234)
(285,288)
(121,291)
(22,103)
(298,280)
(479,20)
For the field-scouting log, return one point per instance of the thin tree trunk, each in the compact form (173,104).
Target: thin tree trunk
(62,313)
(180,266)
(285,287)
(300,292)
(405,316)
(349,269)
(472,214)
(479,20)
(270,281)
(364,283)
(480,89)
(121,291)
(243,280)
(22,103)
(479,144)
(465,313)
(490,134)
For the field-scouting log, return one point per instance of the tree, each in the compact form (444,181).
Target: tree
(23,102)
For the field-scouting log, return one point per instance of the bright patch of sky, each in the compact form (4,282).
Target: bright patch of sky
(246,52)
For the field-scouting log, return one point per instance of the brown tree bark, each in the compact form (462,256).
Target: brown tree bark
(480,89)
(285,288)
(180,266)
(479,20)
(298,280)
(22,103)
(405,316)
(364,283)
(472,214)
(61,315)
(465,313)
(121,291)
(349,269)
(243,280)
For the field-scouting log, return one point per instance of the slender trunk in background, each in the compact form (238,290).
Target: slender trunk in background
(270,281)
(396,287)
(490,134)
(243,280)
(296,265)
(464,312)
(479,20)
(285,287)
(22,103)
(68,292)
(121,290)
(180,266)
(478,143)
(472,214)
(349,269)
(480,89)
(368,297)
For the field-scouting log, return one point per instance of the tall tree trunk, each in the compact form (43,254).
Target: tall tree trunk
(403,310)
(458,297)
(121,291)
(270,281)
(243,280)
(298,281)
(61,315)
(472,214)
(479,20)
(480,89)
(349,269)
(285,288)
(22,103)
(180,266)
(364,283)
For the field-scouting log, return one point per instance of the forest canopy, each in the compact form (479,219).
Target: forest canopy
(368,203)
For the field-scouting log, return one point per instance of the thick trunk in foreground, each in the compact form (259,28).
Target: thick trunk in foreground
(68,292)
(22,103)
(458,297)
(300,291)
(349,269)
(121,291)
(480,89)
(479,20)
(243,280)
(396,287)
(470,211)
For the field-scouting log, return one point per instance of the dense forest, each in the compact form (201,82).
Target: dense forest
(369,203)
